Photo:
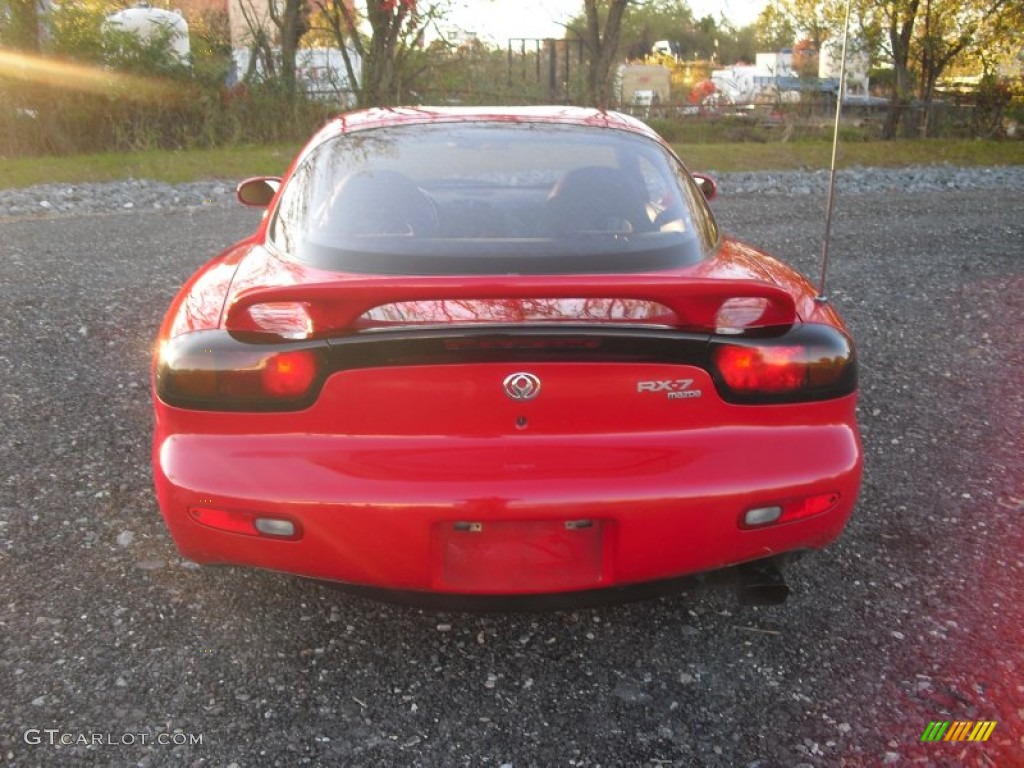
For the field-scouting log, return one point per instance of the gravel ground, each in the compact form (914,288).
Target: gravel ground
(914,615)
(141,195)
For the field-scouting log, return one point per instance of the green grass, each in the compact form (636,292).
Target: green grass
(238,162)
(156,165)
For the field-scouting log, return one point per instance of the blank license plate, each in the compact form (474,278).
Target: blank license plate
(511,556)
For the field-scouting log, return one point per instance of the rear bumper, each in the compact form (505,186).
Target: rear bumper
(545,514)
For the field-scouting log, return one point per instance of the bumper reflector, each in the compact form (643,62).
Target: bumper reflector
(247,523)
(762,516)
(789,511)
(274,527)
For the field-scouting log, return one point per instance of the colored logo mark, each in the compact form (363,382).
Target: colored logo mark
(958,730)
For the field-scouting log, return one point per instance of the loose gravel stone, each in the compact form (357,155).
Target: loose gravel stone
(139,194)
(118,196)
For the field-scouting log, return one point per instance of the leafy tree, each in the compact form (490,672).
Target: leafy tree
(741,44)
(921,39)
(127,52)
(210,42)
(950,29)
(720,41)
(924,38)
(897,19)
(79,32)
(775,29)
(651,21)
(19,24)
(813,20)
(76,30)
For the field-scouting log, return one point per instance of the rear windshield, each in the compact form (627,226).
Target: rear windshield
(492,198)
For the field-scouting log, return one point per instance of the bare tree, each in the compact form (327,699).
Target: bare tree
(290,19)
(600,32)
(292,22)
(390,57)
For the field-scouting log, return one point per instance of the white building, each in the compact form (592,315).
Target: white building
(857,65)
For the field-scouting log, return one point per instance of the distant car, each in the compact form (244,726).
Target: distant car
(500,352)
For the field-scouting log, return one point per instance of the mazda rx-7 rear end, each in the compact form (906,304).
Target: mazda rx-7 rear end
(507,352)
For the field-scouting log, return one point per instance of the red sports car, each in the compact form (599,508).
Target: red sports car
(500,352)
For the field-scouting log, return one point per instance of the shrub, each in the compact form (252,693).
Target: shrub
(102,89)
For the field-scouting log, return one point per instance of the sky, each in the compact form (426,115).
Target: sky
(498,20)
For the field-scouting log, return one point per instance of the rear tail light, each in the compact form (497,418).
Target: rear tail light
(288,374)
(789,511)
(245,522)
(751,369)
(213,370)
(807,362)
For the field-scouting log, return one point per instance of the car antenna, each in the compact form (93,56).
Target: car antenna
(822,297)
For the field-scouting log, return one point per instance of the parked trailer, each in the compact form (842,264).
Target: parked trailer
(148,24)
(320,72)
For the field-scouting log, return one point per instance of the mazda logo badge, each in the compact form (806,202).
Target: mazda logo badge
(522,386)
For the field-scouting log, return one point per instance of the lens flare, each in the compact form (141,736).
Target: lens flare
(55,73)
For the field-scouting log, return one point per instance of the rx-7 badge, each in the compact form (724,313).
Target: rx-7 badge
(674,389)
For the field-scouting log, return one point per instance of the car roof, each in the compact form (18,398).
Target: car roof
(561,115)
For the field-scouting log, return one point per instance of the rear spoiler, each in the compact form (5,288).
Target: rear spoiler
(695,302)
